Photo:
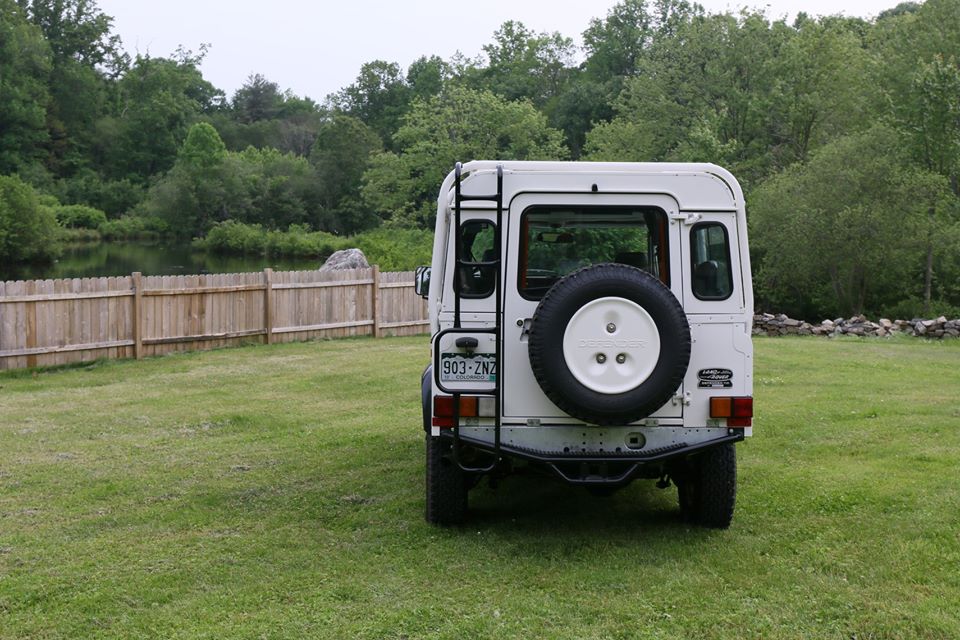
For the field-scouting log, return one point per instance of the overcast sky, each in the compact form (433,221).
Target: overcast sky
(316,48)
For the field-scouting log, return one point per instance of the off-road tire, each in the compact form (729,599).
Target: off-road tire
(707,487)
(446,484)
(567,296)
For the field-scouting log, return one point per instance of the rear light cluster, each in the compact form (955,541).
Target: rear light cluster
(737,410)
(470,407)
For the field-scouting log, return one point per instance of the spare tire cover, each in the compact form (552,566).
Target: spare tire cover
(609,344)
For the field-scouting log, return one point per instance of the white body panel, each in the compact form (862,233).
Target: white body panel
(688,194)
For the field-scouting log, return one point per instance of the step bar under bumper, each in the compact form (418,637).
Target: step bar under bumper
(592,468)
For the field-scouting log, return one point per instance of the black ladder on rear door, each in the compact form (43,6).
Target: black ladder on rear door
(497,330)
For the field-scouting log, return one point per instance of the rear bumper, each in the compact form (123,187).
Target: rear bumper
(596,469)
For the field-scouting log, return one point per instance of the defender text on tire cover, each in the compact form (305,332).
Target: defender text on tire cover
(609,344)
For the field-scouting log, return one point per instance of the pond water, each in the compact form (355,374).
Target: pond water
(151,259)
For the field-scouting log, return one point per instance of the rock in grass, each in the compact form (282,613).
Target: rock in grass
(346,259)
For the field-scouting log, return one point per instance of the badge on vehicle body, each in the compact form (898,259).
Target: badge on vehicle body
(715,378)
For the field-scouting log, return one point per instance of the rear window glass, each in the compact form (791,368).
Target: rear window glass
(555,241)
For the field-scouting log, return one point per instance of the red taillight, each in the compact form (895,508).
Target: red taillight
(470,407)
(737,410)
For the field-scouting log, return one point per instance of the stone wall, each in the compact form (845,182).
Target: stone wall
(780,325)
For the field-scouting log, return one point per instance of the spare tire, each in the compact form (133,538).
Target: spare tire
(609,344)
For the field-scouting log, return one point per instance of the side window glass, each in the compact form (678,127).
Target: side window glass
(474,278)
(710,261)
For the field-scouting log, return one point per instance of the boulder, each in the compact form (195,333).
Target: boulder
(346,259)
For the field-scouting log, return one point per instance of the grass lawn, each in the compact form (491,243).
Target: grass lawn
(277,492)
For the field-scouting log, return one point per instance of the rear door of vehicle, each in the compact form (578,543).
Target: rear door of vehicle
(537,252)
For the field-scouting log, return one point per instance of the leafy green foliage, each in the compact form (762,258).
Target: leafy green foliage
(24,92)
(114,197)
(846,232)
(395,249)
(133,227)
(28,229)
(78,216)
(341,155)
(261,115)
(208,184)
(379,97)
(158,100)
(460,124)
(391,249)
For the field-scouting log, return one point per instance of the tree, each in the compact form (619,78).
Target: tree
(158,100)
(426,77)
(379,97)
(24,67)
(190,198)
(460,124)
(28,230)
(741,91)
(845,232)
(821,91)
(258,99)
(920,79)
(615,44)
(85,57)
(208,184)
(526,65)
(913,44)
(77,30)
(202,150)
(340,156)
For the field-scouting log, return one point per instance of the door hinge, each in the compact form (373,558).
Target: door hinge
(681,399)
(685,218)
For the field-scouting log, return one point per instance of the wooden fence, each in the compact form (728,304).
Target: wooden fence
(52,322)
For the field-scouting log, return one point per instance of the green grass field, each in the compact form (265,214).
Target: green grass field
(277,492)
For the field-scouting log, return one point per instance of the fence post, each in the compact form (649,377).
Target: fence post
(375,301)
(136,278)
(31,323)
(268,303)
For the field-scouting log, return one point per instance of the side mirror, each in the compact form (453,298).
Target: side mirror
(421,281)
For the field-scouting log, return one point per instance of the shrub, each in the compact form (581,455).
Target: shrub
(131,227)
(78,216)
(392,250)
(395,249)
(28,230)
(234,237)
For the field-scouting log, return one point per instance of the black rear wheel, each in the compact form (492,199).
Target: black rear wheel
(707,487)
(446,484)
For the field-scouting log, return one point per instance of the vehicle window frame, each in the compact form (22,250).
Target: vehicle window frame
(457,281)
(693,265)
(663,258)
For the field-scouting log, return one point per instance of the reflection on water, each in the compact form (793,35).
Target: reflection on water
(123,258)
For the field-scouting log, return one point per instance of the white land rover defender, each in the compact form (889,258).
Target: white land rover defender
(591,320)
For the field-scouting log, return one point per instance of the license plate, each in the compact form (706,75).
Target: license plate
(476,367)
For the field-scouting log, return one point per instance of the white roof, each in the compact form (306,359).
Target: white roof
(695,186)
